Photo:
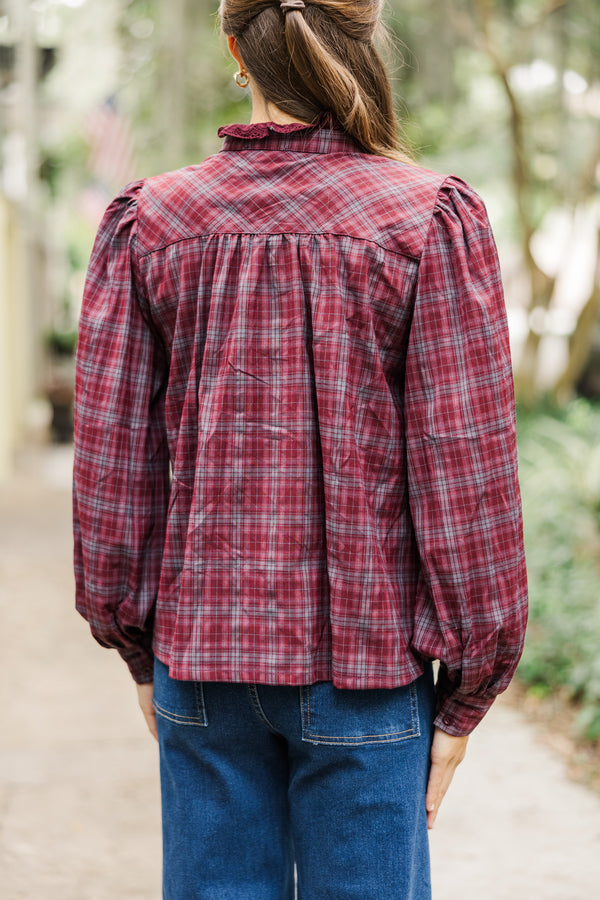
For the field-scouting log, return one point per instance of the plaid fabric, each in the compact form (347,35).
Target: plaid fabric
(295,439)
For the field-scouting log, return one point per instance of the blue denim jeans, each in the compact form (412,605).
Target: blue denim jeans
(256,778)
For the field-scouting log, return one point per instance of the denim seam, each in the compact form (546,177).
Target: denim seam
(179,720)
(340,740)
(200,705)
(199,719)
(257,707)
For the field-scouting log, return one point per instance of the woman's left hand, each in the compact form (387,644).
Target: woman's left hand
(447,753)
(145,694)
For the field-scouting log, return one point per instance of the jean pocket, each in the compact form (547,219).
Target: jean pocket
(333,715)
(181,702)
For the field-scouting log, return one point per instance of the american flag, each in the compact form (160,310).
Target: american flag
(112,161)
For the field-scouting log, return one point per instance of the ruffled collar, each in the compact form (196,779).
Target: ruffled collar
(325,135)
(258,130)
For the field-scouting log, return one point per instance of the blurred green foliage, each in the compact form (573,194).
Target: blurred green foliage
(560,482)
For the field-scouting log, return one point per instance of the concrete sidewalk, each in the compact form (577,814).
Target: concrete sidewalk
(79,791)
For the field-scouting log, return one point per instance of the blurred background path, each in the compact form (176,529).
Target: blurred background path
(79,798)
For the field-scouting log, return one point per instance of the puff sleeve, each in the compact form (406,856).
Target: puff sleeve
(121,467)
(462,464)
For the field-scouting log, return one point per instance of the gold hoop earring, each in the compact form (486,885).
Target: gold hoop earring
(241,78)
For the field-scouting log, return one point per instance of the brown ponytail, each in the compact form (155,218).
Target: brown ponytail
(320,58)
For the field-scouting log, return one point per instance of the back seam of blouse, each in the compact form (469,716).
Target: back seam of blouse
(208,234)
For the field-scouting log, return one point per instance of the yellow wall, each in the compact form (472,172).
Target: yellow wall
(16,356)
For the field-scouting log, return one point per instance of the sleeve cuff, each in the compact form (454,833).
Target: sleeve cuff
(459,715)
(140,662)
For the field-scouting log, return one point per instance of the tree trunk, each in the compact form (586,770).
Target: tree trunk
(173,26)
(581,342)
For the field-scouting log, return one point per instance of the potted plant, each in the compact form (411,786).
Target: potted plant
(60,343)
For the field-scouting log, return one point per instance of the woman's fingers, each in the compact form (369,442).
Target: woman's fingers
(447,752)
(145,694)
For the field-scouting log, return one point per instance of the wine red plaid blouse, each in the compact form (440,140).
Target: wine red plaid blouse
(294,438)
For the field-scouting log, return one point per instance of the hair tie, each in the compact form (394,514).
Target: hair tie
(291,5)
